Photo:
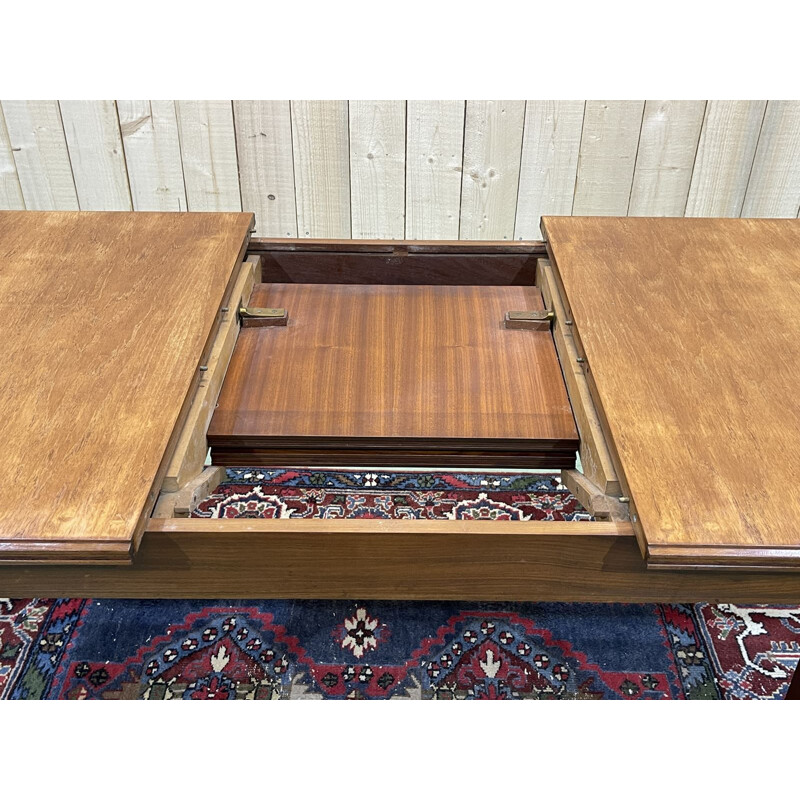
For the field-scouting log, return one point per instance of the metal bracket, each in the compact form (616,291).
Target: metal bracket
(529,320)
(262,317)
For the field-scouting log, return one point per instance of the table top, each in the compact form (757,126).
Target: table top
(385,363)
(104,317)
(691,334)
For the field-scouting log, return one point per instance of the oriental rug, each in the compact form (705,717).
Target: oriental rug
(366,649)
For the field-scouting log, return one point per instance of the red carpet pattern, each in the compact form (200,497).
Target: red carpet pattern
(379,650)
(330,494)
(362,649)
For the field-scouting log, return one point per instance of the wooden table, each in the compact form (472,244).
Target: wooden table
(677,342)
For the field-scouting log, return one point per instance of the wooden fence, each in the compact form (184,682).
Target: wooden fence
(448,169)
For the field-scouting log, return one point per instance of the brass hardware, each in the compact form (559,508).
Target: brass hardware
(529,320)
(262,317)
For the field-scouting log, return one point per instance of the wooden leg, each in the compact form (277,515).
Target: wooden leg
(794,686)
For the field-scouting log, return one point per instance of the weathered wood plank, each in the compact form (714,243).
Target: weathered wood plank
(774,186)
(150,138)
(725,157)
(549,162)
(10,191)
(40,154)
(435,153)
(93,138)
(266,169)
(378,168)
(607,157)
(208,152)
(321,168)
(667,148)
(490,178)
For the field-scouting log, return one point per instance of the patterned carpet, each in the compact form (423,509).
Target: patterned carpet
(231,649)
(330,494)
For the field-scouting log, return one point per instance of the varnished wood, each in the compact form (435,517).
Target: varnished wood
(394,367)
(190,452)
(398,262)
(346,453)
(414,559)
(793,692)
(399,268)
(595,456)
(436,246)
(691,339)
(393,527)
(103,328)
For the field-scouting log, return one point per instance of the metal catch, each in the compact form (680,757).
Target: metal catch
(529,320)
(251,317)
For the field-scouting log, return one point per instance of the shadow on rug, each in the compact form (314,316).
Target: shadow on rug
(232,649)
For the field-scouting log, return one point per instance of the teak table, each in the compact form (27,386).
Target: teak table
(665,351)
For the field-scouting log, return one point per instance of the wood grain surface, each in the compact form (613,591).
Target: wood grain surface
(377,168)
(96,154)
(596,460)
(321,150)
(10,190)
(397,367)
(691,339)
(39,147)
(434,160)
(266,169)
(490,173)
(395,559)
(549,162)
(724,160)
(399,268)
(149,130)
(189,456)
(104,318)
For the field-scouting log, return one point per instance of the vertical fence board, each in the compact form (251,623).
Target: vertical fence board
(549,162)
(208,152)
(40,154)
(490,178)
(391,169)
(321,168)
(10,191)
(95,152)
(774,187)
(266,169)
(724,157)
(667,148)
(153,154)
(434,156)
(607,156)
(378,168)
